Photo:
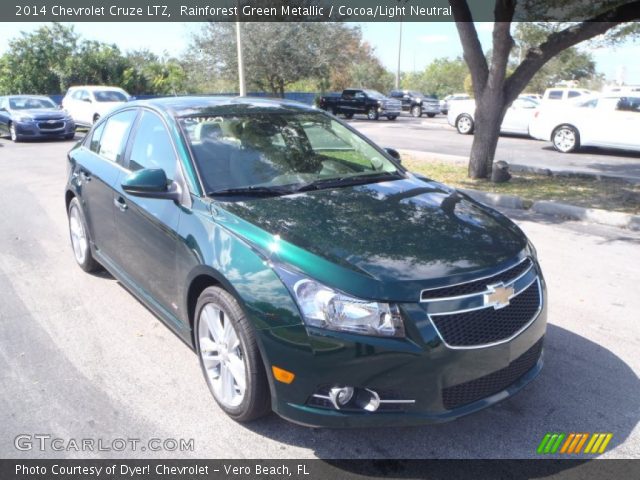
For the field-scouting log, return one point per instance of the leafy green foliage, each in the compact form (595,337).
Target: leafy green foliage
(441,77)
(53,58)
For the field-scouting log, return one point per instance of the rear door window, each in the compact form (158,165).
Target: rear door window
(555,95)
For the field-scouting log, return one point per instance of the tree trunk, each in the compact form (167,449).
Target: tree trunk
(488,118)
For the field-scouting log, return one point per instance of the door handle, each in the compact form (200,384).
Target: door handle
(120,203)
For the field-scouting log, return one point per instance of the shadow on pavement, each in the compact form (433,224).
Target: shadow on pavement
(583,388)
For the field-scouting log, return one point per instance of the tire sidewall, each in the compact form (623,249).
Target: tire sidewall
(89,264)
(461,117)
(251,406)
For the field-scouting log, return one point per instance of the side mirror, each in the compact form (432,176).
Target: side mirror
(151,183)
(393,153)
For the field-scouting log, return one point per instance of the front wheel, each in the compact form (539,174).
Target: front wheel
(464,124)
(431,115)
(392,117)
(14,133)
(96,117)
(80,238)
(348,116)
(229,356)
(565,139)
(372,114)
(416,111)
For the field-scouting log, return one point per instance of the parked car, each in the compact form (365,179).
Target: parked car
(86,104)
(416,103)
(532,96)
(28,116)
(609,121)
(312,274)
(516,119)
(446,101)
(354,101)
(560,94)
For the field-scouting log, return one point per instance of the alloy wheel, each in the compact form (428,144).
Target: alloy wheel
(564,139)
(416,111)
(13,133)
(222,356)
(79,240)
(465,124)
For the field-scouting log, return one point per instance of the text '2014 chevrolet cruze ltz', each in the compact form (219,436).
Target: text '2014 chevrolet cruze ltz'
(313,275)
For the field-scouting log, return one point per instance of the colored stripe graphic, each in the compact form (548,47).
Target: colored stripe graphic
(572,443)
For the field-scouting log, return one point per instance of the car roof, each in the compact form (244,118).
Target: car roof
(94,87)
(218,105)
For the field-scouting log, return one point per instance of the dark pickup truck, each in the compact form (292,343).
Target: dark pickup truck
(359,101)
(416,103)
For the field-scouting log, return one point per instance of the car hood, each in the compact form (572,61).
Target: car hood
(40,113)
(395,236)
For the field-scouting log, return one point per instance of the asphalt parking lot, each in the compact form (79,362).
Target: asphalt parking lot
(82,358)
(436,135)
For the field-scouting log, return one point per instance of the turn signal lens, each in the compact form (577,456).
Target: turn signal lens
(282,375)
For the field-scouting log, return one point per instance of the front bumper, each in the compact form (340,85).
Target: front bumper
(44,129)
(431,108)
(420,367)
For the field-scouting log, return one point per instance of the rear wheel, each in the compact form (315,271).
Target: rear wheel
(229,356)
(416,111)
(80,238)
(431,115)
(464,124)
(565,139)
(372,114)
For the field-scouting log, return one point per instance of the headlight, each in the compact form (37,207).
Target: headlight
(324,307)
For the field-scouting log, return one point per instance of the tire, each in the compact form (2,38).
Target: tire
(464,124)
(372,114)
(431,115)
(96,117)
(416,111)
(348,116)
(565,139)
(445,112)
(216,312)
(392,117)
(69,136)
(80,240)
(15,138)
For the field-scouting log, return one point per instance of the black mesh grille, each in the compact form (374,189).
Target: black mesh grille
(487,325)
(477,286)
(469,392)
(50,126)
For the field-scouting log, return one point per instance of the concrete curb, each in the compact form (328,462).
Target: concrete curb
(592,215)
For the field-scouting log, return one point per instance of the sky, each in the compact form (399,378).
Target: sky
(421,42)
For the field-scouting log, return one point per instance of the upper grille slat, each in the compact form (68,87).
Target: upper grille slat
(476,286)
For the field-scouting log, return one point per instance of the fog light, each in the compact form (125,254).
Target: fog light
(340,396)
(367,400)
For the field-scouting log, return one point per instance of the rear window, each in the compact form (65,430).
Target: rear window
(109,96)
(30,103)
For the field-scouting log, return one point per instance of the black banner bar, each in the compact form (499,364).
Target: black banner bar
(120,469)
(277,11)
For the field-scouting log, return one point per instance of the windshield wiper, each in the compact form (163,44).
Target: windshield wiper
(347,180)
(252,190)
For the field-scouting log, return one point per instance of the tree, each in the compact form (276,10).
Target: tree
(495,89)
(278,55)
(441,77)
(36,61)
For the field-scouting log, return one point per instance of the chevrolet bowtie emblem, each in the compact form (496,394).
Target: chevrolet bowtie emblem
(498,296)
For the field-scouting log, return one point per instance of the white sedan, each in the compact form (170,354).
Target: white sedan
(516,119)
(609,121)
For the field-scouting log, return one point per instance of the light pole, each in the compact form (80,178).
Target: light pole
(399,54)
(243,88)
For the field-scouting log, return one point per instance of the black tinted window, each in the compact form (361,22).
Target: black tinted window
(152,147)
(115,134)
(94,144)
(573,94)
(555,95)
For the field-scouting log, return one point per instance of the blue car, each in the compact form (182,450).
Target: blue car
(27,116)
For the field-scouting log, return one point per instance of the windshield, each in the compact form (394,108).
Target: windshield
(110,96)
(30,103)
(374,94)
(276,150)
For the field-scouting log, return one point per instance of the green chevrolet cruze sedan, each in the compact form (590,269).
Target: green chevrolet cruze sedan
(313,275)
